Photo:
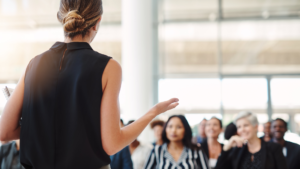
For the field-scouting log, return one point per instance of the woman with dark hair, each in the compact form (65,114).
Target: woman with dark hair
(230,131)
(211,146)
(68,100)
(177,150)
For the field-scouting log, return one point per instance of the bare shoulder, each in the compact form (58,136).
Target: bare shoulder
(113,67)
(112,73)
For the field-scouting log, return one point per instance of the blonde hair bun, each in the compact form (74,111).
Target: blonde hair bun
(73,22)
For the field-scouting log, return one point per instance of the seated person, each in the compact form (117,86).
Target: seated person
(290,150)
(121,160)
(157,126)
(267,132)
(247,151)
(139,152)
(211,146)
(230,131)
(10,156)
(177,150)
(201,133)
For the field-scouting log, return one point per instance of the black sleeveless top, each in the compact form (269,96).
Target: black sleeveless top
(60,127)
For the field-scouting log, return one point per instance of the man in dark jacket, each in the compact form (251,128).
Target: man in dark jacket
(290,150)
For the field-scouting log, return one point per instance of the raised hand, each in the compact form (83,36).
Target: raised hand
(165,106)
(234,141)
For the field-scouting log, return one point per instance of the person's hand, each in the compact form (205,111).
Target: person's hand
(165,106)
(234,141)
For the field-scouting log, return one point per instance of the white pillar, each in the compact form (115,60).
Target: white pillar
(138,33)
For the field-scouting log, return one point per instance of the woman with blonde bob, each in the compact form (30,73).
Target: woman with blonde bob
(247,151)
(68,100)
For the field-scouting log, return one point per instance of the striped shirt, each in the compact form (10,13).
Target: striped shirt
(160,158)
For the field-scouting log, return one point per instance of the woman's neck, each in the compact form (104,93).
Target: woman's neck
(212,141)
(254,145)
(159,142)
(77,39)
(175,145)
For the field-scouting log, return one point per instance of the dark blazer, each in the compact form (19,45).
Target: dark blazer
(121,160)
(293,155)
(204,146)
(271,154)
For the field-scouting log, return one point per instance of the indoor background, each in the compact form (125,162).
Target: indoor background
(219,57)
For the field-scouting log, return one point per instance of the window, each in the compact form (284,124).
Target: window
(244,93)
(192,93)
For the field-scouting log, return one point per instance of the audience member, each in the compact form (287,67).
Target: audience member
(177,150)
(290,150)
(211,146)
(247,151)
(201,133)
(121,160)
(9,155)
(230,131)
(139,152)
(267,132)
(157,126)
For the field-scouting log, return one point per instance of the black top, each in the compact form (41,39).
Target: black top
(9,156)
(271,157)
(204,146)
(251,161)
(293,155)
(61,109)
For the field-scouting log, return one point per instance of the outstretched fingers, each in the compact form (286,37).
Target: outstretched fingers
(172,103)
(172,106)
(173,100)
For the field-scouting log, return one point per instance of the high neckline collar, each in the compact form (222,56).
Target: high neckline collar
(71,46)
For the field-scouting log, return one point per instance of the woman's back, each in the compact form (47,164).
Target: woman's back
(68,99)
(60,114)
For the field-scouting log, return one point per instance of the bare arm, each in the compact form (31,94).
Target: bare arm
(113,137)
(9,122)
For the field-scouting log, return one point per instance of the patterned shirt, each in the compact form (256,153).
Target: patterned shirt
(160,158)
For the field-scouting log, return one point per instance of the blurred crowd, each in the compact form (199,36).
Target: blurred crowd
(174,146)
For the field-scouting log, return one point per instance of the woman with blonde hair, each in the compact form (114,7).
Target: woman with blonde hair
(247,151)
(68,100)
